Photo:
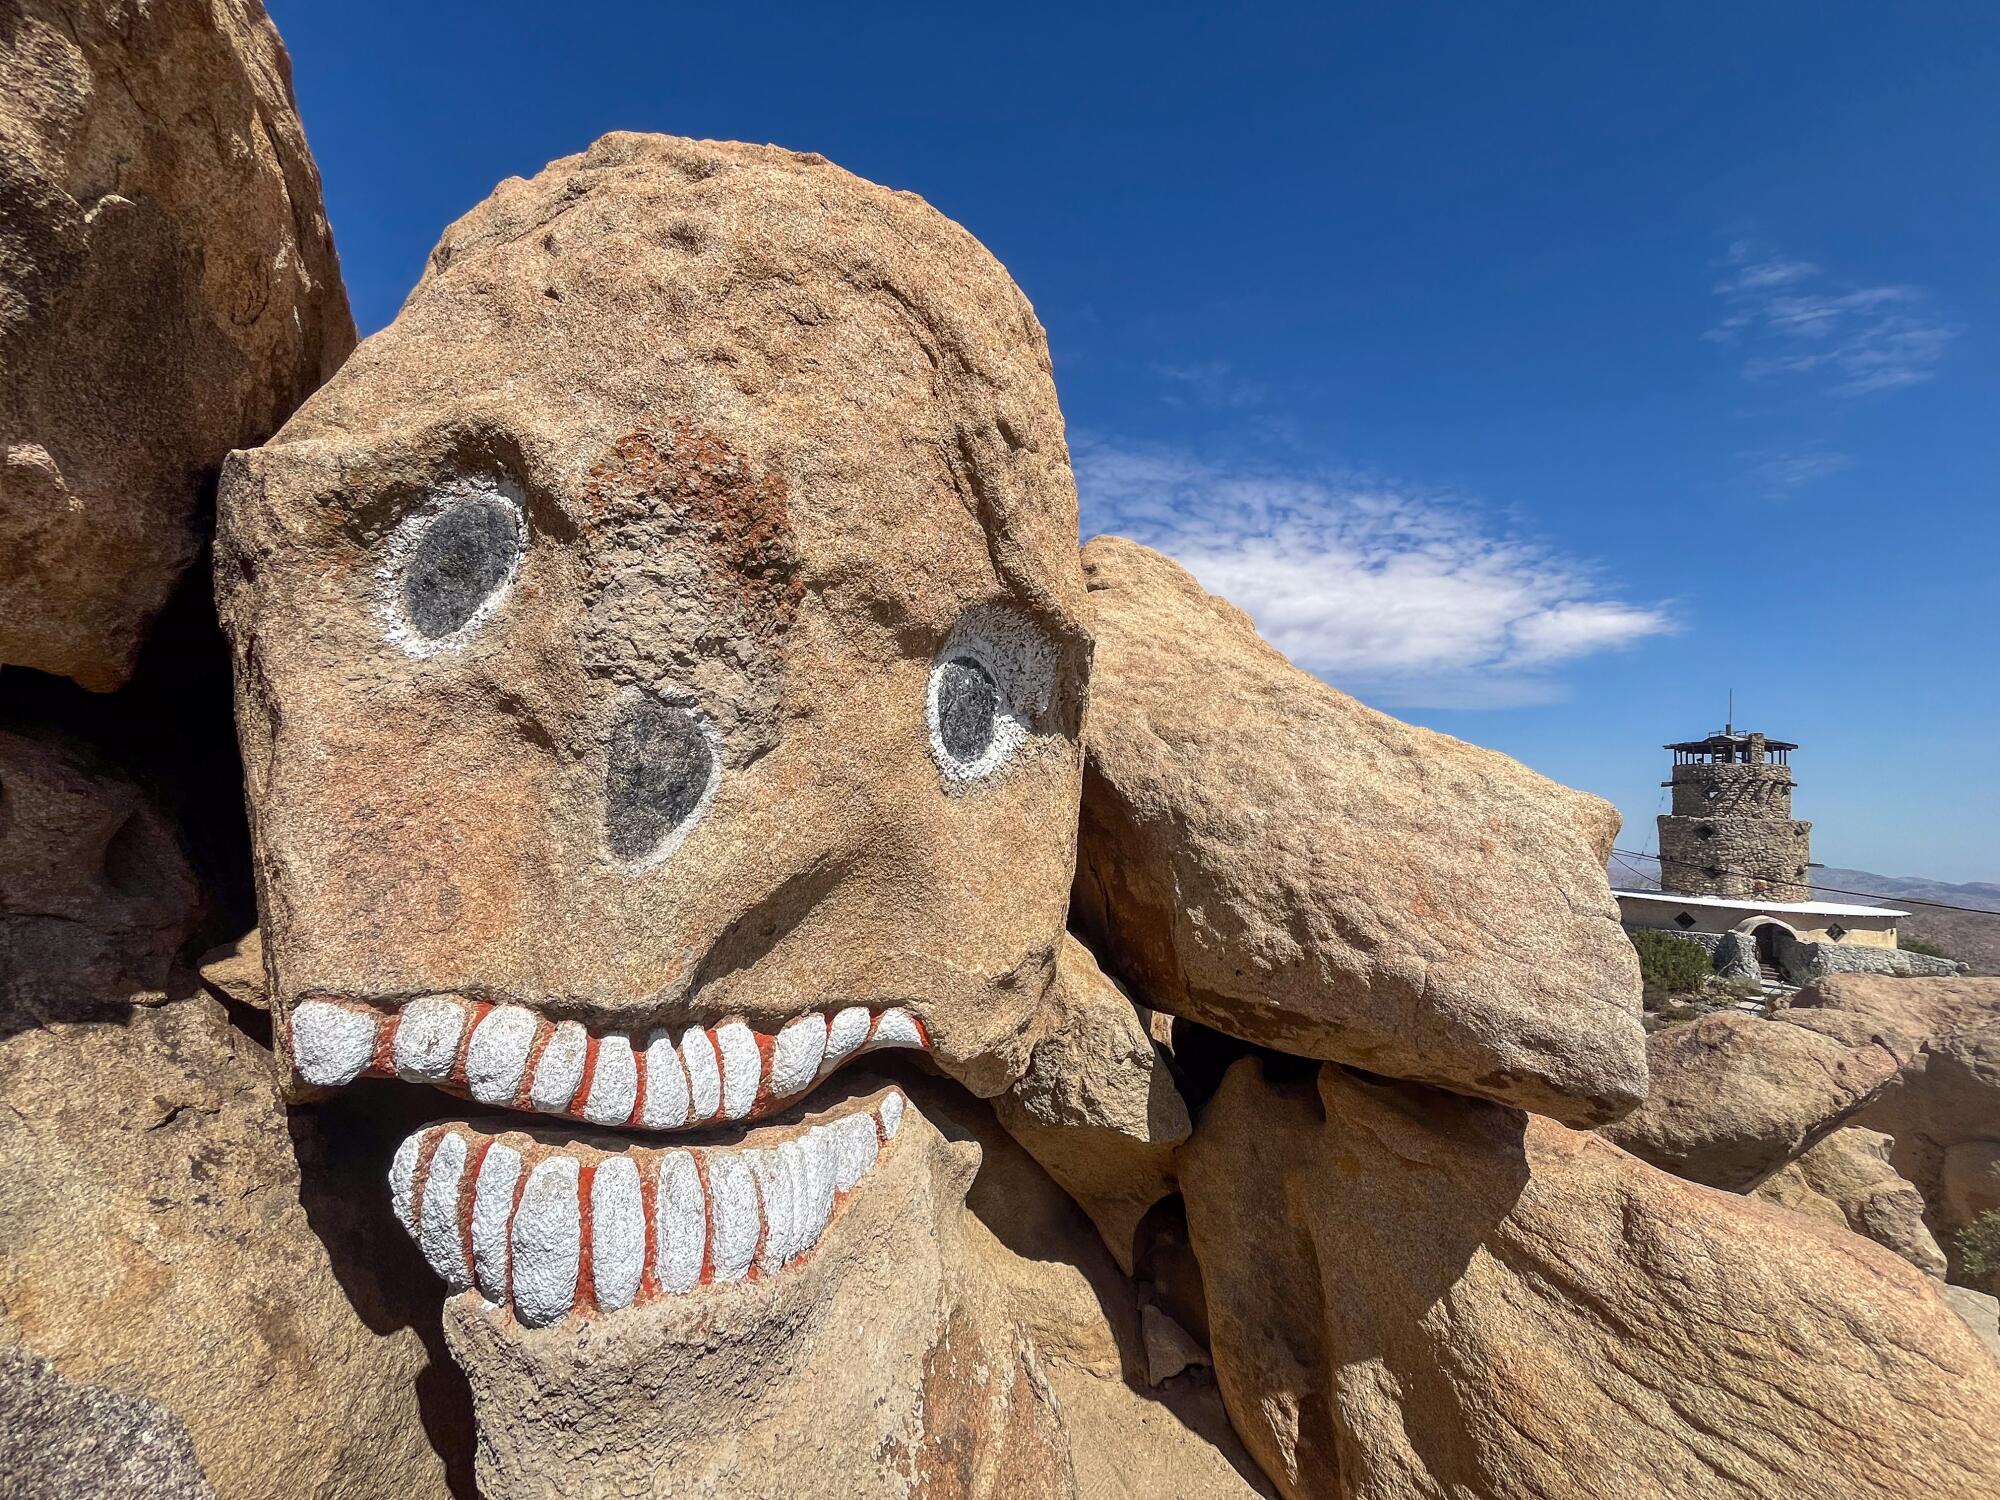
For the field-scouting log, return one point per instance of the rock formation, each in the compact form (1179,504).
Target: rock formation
(922,1353)
(167,1235)
(651,680)
(57,1438)
(1098,1106)
(96,893)
(172,293)
(1846,1179)
(1264,855)
(1413,1293)
(681,734)
(1734,1097)
(1943,1109)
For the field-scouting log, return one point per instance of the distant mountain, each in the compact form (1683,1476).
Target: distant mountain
(1970,936)
(1983,894)
(1967,936)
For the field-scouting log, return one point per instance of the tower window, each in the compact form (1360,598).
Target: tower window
(1711,871)
(1706,831)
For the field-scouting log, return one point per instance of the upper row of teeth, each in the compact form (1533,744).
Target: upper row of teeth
(506,1055)
(549,1230)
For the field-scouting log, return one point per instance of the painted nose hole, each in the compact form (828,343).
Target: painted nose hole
(659,779)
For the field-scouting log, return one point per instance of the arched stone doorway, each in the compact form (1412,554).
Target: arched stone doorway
(1767,945)
(1775,946)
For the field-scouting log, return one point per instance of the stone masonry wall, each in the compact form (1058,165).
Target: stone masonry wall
(1763,790)
(1805,962)
(1731,833)
(1764,858)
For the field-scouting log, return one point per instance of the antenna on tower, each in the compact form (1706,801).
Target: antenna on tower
(1729,724)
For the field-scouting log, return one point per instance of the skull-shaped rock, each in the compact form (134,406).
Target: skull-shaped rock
(661,651)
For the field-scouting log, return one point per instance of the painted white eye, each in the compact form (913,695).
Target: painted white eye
(450,564)
(988,687)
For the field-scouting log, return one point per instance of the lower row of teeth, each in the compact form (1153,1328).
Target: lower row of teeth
(508,1056)
(554,1230)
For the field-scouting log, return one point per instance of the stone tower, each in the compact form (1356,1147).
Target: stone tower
(1731,831)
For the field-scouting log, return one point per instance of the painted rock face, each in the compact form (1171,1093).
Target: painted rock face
(660,652)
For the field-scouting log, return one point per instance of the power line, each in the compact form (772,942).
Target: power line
(1833,890)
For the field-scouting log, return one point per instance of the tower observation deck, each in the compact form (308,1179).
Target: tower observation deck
(1731,830)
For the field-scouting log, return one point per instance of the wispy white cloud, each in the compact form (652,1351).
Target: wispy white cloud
(1403,595)
(1212,382)
(1791,318)
(1783,473)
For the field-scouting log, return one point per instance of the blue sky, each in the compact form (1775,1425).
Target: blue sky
(1536,372)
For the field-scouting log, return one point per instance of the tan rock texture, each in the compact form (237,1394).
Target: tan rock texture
(1846,1179)
(169,1235)
(1943,1109)
(917,1352)
(1413,1294)
(235,971)
(96,893)
(1734,1097)
(766,450)
(1980,1312)
(1263,854)
(1969,1180)
(1086,1321)
(171,293)
(1098,1107)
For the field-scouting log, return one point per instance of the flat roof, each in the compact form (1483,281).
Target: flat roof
(1750,903)
(1728,739)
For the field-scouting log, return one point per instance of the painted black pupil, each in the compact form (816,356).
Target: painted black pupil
(660,765)
(457,564)
(968,701)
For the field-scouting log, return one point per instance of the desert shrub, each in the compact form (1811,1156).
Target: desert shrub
(1918,945)
(1671,965)
(1979,1246)
(1676,1012)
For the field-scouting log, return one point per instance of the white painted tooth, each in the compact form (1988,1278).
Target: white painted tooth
(774,1196)
(891,1110)
(438,1230)
(844,1034)
(403,1178)
(666,1106)
(795,1055)
(680,1224)
(704,1077)
(492,1208)
(560,1071)
(614,1086)
(793,1152)
(498,1055)
(330,1043)
(617,1231)
(547,1242)
(895,1028)
(742,1068)
(855,1149)
(427,1033)
(787,1170)
(732,1214)
(816,1206)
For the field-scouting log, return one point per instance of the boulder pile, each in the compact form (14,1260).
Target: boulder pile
(759,967)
